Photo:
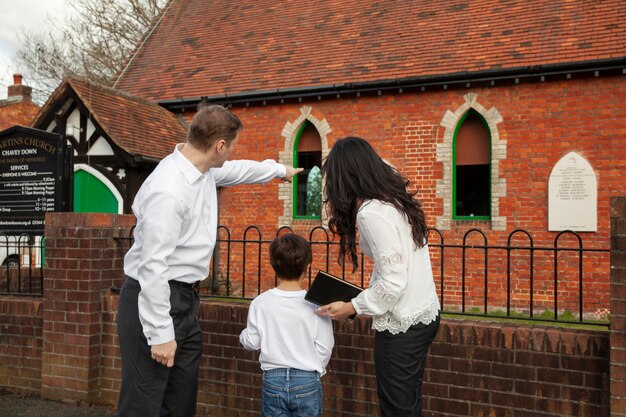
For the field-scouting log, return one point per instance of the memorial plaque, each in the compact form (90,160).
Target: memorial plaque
(32,171)
(573,195)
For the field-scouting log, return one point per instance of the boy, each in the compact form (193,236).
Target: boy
(295,343)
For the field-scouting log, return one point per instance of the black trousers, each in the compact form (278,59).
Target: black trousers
(150,389)
(399,361)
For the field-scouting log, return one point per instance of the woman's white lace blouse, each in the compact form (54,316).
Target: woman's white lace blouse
(402,291)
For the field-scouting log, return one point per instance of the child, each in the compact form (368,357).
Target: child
(295,343)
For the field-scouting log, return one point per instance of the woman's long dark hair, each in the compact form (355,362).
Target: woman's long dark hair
(353,171)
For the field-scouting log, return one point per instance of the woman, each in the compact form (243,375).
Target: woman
(364,193)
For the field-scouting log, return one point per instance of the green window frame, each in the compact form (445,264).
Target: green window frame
(299,180)
(457,182)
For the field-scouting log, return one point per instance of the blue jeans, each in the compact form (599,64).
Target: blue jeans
(291,392)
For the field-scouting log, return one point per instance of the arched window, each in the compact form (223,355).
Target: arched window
(472,169)
(307,186)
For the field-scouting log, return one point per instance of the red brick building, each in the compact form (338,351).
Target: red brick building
(18,108)
(480,104)
(476,102)
(502,92)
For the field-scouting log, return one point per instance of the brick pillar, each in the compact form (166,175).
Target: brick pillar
(618,307)
(83,261)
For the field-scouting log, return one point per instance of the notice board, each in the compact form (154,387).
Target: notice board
(35,178)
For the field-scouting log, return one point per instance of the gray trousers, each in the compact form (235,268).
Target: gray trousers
(148,388)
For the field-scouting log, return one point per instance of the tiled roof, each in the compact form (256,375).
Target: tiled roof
(205,48)
(139,126)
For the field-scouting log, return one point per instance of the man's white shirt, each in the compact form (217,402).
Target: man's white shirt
(176,211)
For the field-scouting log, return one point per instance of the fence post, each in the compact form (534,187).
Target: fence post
(618,307)
(83,261)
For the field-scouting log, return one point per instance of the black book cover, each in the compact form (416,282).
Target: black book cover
(327,288)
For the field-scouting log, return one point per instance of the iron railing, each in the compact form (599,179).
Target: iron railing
(473,277)
(562,281)
(598,302)
(218,271)
(21,264)
(502,272)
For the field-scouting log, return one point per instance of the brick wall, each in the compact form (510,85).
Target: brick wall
(20,344)
(83,261)
(541,122)
(618,307)
(505,370)
(474,369)
(23,280)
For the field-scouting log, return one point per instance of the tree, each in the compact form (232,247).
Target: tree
(95,42)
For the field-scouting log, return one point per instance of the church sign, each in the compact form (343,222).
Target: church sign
(35,170)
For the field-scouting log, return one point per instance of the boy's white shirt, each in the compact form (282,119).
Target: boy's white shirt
(289,333)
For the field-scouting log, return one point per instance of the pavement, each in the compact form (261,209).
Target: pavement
(15,405)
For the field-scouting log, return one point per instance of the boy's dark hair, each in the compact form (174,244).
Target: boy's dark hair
(210,123)
(290,254)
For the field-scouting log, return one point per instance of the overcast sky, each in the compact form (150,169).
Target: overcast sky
(32,15)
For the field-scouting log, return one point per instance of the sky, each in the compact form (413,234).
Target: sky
(30,15)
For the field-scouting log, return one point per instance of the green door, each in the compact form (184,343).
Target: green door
(91,195)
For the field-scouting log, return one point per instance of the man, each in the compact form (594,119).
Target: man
(176,210)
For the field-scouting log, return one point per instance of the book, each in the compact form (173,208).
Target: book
(327,288)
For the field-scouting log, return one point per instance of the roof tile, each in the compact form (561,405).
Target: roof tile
(209,48)
(139,126)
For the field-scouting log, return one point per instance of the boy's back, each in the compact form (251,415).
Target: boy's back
(289,333)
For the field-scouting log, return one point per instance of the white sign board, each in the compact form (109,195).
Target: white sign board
(573,195)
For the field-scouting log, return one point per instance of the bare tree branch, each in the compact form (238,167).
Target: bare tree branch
(94,43)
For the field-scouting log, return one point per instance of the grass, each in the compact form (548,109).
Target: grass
(546,318)
(236,300)
(565,320)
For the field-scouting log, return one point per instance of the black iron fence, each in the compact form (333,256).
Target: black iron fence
(230,272)
(21,264)
(560,281)
(564,281)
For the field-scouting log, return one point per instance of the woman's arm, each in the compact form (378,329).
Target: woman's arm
(380,231)
(337,310)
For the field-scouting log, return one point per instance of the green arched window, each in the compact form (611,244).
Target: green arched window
(472,169)
(307,186)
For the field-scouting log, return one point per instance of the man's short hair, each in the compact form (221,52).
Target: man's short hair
(290,255)
(211,123)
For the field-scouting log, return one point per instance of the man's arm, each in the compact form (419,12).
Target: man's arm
(252,172)
(160,221)
(291,172)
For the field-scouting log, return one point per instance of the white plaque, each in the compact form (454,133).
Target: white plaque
(573,195)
